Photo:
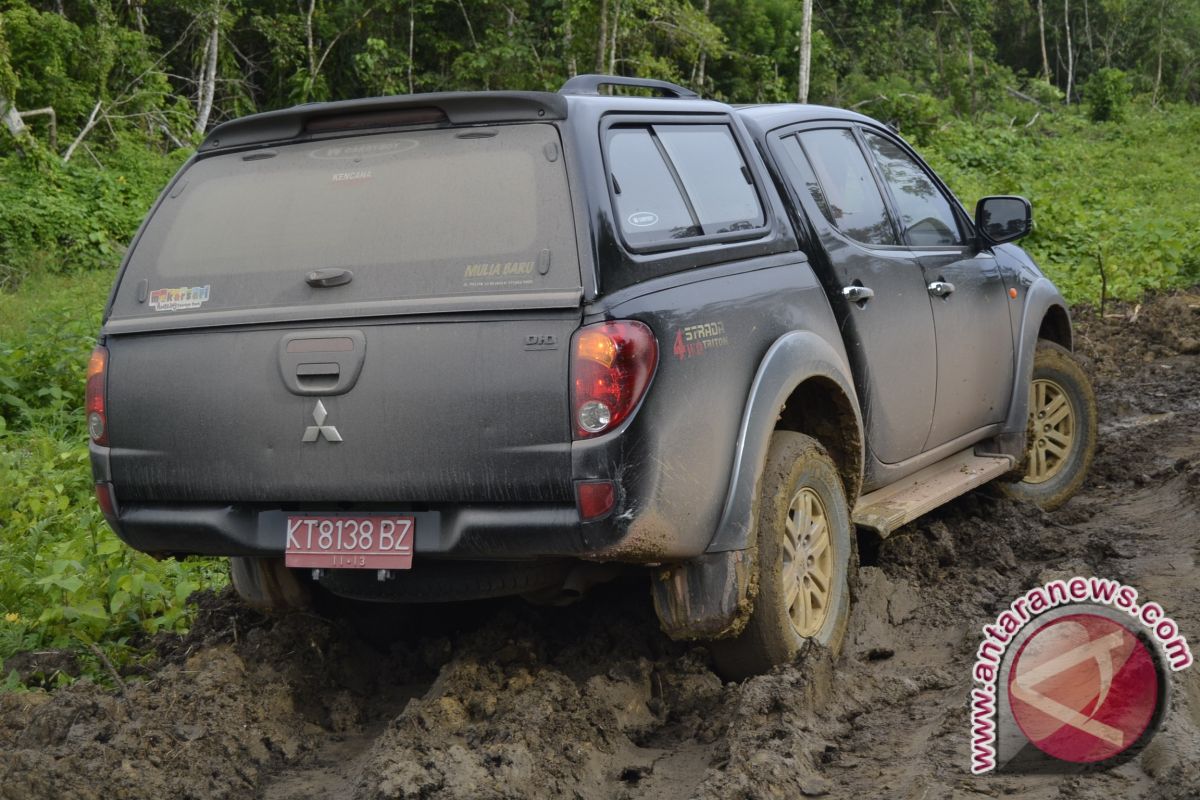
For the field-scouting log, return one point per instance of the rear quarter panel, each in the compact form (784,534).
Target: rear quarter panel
(673,460)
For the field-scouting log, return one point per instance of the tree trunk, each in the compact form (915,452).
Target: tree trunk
(602,40)
(612,51)
(412,27)
(1087,26)
(568,40)
(1070,51)
(1042,38)
(139,15)
(704,53)
(311,47)
(470,27)
(971,68)
(208,79)
(1162,16)
(805,52)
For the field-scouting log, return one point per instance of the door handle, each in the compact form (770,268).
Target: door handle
(324,278)
(857,294)
(941,288)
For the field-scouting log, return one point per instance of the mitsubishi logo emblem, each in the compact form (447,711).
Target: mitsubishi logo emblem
(314,432)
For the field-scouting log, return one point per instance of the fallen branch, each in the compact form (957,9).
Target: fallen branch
(45,112)
(1035,116)
(93,118)
(862,103)
(1022,96)
(162,126)
(108,665)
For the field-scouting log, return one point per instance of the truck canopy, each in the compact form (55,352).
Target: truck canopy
(450,212)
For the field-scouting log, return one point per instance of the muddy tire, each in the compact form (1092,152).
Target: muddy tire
(805,552)
(1062,430)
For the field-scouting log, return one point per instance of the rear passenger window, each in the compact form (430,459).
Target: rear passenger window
(680,182)
(852,199)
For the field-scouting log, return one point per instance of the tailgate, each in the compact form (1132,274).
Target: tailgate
(437,410)
(378,317)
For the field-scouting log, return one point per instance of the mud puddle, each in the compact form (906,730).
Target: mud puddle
(506,700)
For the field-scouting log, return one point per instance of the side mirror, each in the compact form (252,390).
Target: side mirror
(1003,218)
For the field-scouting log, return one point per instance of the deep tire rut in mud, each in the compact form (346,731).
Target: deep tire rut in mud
(501,699)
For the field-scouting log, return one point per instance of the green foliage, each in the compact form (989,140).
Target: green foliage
(68,582)
(70,65)
(8,78)
(895,100)
(78,216)
(1107,95)
(1125,194)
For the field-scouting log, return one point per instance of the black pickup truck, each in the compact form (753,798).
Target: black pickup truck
(461,345)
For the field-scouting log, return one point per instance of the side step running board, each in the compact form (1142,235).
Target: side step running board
(884,510)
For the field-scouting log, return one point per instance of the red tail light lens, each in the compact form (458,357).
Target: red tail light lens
(108,502)
(611,367)
(595,499)
(97,379)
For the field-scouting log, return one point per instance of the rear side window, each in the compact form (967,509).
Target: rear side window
(679,182)
(418,214)
(853,202)
(925,215)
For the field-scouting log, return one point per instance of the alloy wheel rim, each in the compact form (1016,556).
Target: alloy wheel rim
(807,563)
(1052,427)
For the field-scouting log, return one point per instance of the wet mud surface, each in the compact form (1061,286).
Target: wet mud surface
(506,700)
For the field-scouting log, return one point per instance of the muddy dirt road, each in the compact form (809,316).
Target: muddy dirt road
(505,700)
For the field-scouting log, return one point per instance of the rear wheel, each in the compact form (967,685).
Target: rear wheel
(805,554)
(1062,429)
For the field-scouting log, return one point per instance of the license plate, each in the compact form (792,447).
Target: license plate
(350,542)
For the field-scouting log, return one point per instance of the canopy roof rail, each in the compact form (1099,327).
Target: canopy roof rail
(590,85)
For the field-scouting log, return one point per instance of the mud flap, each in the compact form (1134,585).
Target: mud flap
(708,597)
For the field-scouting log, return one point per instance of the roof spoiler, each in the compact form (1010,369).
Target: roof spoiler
(590,85)
(455,108)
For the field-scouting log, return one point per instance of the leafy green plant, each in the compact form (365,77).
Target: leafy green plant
(1107,95)
(1126,194)
(68,581)
(77,216)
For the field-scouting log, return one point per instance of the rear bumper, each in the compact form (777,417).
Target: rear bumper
(471,532)
(650,522)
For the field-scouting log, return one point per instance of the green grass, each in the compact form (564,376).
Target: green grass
(68,582)
(1127,193)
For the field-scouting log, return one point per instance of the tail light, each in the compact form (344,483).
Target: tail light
(97,385)
(611,367)
(108,503)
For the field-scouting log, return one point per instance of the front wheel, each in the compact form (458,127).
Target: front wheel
(805,554)
(1062,429)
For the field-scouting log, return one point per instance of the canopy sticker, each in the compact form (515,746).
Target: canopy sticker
(180,299)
